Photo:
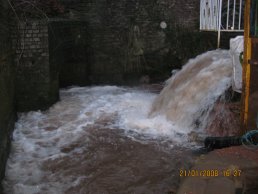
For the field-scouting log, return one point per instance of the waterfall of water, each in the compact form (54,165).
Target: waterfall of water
(191,93)
(98,139)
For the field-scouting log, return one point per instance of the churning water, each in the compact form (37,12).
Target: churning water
(192,92)
(102,140)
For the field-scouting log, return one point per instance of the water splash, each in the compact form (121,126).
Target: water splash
(98,139)
(192,92)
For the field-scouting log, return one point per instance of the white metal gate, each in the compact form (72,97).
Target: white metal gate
(222,15)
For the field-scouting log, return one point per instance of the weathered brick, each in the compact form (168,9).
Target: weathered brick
(32,67)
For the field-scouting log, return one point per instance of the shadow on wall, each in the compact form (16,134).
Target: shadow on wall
(70,52)
(7,76)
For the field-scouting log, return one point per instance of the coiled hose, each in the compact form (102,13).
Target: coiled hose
(249,140)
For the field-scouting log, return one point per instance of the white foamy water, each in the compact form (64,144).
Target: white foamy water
(41,136)
(191,93)
(46,142)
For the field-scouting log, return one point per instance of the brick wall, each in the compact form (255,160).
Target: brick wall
(36,81)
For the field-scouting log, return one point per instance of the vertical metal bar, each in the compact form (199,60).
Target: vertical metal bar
(220,10)
(205,14)
(200,24)
(240,14)
(209,15)
(212,16)
(228,14)
(234,12)
(217,14)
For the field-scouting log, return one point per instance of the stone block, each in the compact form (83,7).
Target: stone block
(36,39)
(32,46)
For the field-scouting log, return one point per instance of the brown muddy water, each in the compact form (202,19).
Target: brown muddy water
(114,163)
(97,140)
(110,139)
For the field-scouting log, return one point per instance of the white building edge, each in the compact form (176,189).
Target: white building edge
(226,16)
(222,16)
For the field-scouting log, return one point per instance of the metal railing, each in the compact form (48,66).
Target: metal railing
(222,15)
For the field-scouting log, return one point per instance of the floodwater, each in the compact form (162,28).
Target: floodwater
(97,140)
(110,139)
(191,94)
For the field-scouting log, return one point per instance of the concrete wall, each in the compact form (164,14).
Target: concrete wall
(7,75)
(37,82)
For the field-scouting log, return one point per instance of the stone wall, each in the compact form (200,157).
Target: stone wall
(126,36)
(69,48)
(37,82)
(7,75)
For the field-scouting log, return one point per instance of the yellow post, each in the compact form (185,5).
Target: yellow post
(250,67)
(246,67)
